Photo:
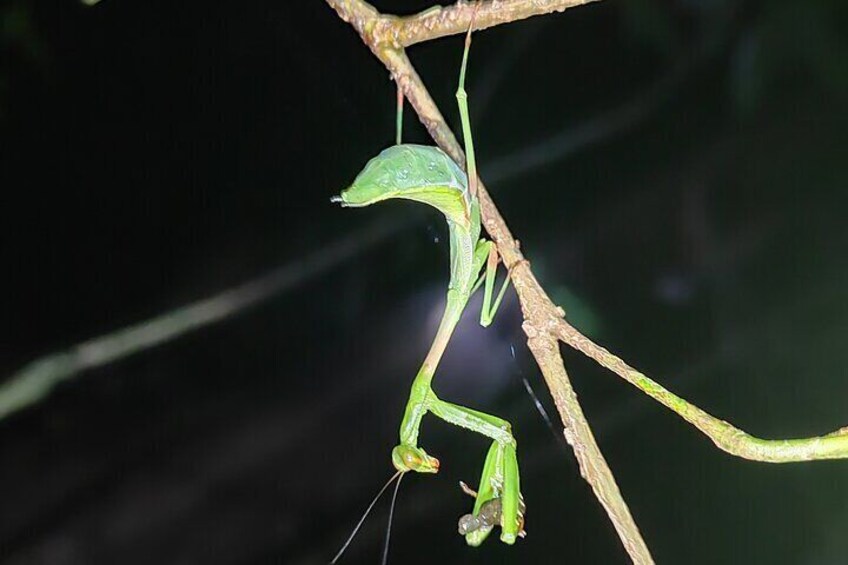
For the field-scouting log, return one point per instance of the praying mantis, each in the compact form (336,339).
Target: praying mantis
(426,174)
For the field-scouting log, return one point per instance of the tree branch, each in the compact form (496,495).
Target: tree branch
(398,32)
(440,22)
(578,434)
(541,315)
(544,322)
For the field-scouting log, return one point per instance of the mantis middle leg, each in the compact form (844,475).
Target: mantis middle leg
(487,252)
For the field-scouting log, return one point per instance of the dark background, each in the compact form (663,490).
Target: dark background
(675,171)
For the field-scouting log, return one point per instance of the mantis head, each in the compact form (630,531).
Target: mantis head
(408,458)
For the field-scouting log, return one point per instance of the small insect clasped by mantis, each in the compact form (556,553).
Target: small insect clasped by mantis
(426,174)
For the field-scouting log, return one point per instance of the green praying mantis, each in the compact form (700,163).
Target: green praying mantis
(426,174)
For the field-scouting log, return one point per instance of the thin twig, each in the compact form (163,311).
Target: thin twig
(725,436)
(578,434)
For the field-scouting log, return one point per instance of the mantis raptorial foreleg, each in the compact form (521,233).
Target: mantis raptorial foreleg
(499,481)
(494,428)
(488,511)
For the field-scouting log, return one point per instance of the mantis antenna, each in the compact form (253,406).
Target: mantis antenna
(365,515)
(391,516)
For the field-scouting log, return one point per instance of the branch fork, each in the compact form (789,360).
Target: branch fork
(544,322)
